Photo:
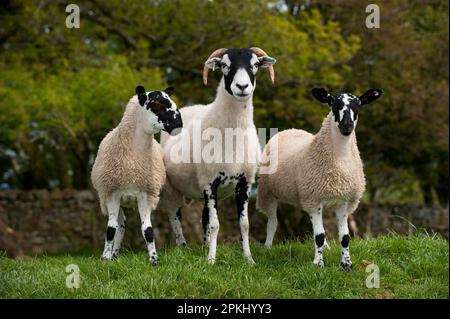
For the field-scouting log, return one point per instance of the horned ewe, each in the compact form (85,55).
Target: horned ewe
(318,172)
(129,169)
(196,178)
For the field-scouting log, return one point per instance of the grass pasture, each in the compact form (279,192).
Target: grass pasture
(410,267)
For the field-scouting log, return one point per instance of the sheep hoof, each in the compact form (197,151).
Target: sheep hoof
(250,260)
(211,261)
(107,256)
(319,264)
(268,246)
(347,266)
(154,261)
(182,244)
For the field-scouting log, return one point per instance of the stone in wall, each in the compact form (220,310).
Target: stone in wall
(61,221)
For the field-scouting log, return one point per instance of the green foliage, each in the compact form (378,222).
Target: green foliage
(58,110)
(410,267)
(75,79)
(405,133)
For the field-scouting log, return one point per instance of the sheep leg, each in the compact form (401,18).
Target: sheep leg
(242,192)
(205,220)
(119,233)
(113,208)
(175,222)
(210,220)
(319,236)
(147,231)
(272,223)
(344,237)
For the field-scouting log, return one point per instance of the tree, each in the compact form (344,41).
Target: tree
(404,137)
(75,78)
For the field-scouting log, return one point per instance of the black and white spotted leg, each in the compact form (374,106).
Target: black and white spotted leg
(113,207)
(319,236)
(210,219)
(175,221)
(146,227)
(120,233)
(344,237)
(205,219)
(242,192)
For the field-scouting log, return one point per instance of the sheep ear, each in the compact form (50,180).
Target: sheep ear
(213,63)
(169,91)
(370,96)
(321,95)
(266,61)
(140,91)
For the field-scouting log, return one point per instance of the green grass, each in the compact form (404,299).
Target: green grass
(410,267)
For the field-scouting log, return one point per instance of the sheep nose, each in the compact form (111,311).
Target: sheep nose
(242,87)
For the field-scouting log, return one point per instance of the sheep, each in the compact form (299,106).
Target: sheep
(318,172)
(129,169)
(196,179)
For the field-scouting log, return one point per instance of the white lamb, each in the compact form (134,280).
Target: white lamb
(317,172)
(129,167)
(196,178)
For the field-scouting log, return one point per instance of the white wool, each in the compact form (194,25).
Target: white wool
(313,169)
(190,179)
(129,159)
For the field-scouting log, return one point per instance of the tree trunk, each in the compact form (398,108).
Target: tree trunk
(442,190)
(36,176)
(427,194)
(81,167)
(61,168)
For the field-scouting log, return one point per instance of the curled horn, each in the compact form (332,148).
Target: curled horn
(216,54)
(260,52)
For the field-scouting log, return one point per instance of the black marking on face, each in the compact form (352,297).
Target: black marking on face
(161,106)
(345,107)
(110,232)
(241,195)
(179,214)
(239,58)
(345,241)
(320,239)
(148,234)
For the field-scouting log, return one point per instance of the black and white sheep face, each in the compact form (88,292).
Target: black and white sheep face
(160,110)
(345,110)
(345,106)
(239,68)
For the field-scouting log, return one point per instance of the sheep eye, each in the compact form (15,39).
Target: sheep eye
(157,107)
(224,65)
